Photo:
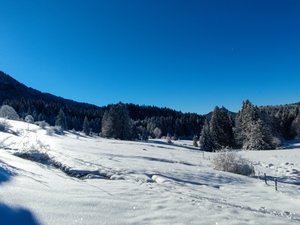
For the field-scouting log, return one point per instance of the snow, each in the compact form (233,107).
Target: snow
(91,180)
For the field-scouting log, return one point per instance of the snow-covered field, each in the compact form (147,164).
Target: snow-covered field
(103,181)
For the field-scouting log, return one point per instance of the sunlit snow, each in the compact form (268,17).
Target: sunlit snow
(101,181)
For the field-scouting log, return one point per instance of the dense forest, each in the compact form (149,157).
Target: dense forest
(143,119)
(252,127)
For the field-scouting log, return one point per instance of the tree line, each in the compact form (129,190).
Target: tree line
(252,127)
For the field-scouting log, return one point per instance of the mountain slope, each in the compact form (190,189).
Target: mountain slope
(12,89)
(43,106)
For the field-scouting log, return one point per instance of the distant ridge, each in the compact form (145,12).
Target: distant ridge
(11,89)
(44,106)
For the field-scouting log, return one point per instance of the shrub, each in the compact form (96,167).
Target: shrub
(42,124)
(229,161)
(29,119)
(4,126)
(169,140)
(55,130)
(8,112)
(157,132)
(50,131)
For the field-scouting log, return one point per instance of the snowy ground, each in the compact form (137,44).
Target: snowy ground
(139,183)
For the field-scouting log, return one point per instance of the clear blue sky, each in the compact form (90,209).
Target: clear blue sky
(187,55)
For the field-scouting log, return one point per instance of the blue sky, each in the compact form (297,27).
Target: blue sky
(187,55)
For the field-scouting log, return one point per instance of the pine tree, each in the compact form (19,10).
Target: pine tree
(61,120)
(116,122)
(252,132)
(195,141)
(86,126)
(295,127)
(157,132)
(206,142)
(221,129)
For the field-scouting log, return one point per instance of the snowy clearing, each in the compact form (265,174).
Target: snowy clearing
(91,180)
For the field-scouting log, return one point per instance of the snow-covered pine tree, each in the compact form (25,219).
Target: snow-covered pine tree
(206,143)
(195,141)
(295,127)
(86,126)
(221,129)
(116,122)
(157,132)
(252,132)
(61,120)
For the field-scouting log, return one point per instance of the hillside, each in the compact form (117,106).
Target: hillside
(275,124)
(44,106)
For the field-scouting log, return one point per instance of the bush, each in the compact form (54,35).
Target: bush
(8,112)
(42,124)
(50,131)
(29,119)
(34,155)
(157,132)
(4,126)
(168,139)
(55,130)
(229,161)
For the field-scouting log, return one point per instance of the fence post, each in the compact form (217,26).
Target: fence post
(276,188)
(265,178)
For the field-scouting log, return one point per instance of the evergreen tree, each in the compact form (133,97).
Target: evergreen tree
(157,132)
(86,126)
(252,132)
(259,138)
(295,127)
(221,129)
(61,120)
(195,141)
(116,123)
(206,142)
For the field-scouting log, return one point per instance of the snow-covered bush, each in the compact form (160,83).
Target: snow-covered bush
(168,139)
(4,126)
(42,124)
(34,155)
(8,112)
(50,131)
(157,132)
(230,161)
(55,130)
(29,119)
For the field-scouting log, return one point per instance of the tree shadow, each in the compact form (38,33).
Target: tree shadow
(5,173)
(16,216)
(173,144)
(9,215)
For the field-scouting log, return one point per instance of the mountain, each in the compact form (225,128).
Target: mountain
(44,106)
(11,89)
(283,120)
(231,114)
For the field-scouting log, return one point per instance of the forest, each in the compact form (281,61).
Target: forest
(253,127)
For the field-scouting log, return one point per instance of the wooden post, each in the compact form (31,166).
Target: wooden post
(265,178)
(276,188)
